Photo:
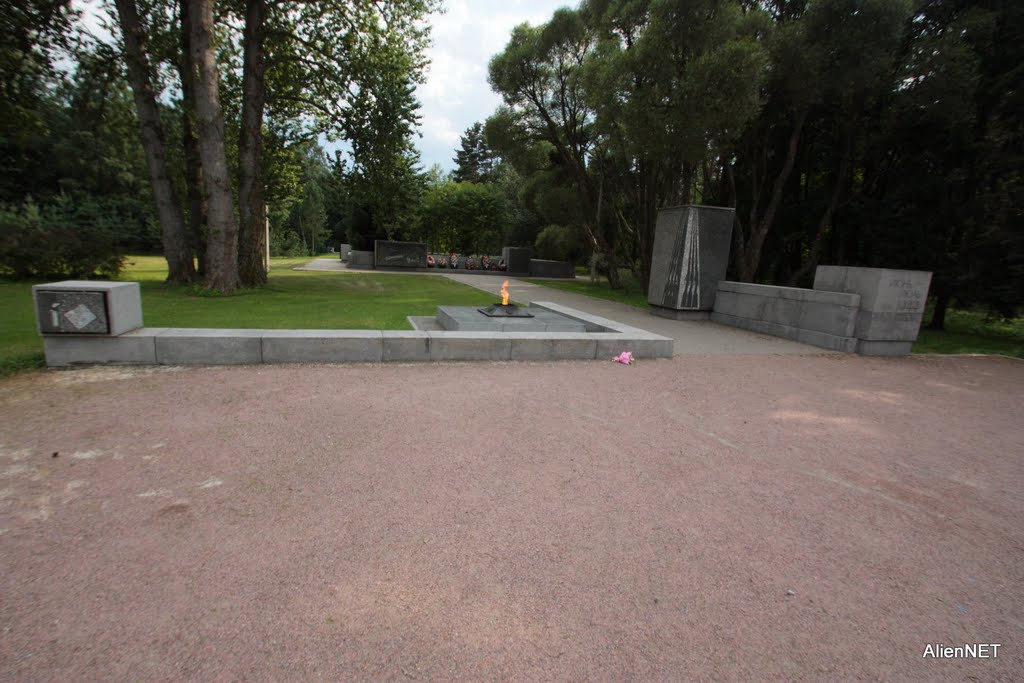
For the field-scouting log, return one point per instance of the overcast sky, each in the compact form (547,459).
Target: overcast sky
(456,93)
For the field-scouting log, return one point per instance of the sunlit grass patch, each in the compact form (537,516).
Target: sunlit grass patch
(292,299)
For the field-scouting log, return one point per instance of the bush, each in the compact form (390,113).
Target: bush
(560,243)
(286,243)
(67,238)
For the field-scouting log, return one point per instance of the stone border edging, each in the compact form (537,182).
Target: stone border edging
(206,346)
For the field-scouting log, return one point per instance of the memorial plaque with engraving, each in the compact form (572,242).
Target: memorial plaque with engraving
(72,312)
(891,304)
(87,307)
(389,254)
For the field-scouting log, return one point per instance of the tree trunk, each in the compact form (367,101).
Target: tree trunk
(251,204)
(938,321)
(180,267)
(825,223)
(592,227)
(196,198)
(222,235)
(193,166)
(573,157)
(750,259)
(648,203)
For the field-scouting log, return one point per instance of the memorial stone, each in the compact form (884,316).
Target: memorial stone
(517,259)
(547,268)
(891,305)
(360,259)
(388,254)
(87,307)
(690,257)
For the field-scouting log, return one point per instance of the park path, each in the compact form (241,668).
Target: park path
(691,337)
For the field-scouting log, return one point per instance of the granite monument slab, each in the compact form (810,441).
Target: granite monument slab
(891,304)
(389,254)
(691,254)
(517,259)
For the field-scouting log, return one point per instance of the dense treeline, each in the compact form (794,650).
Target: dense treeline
(72,190)
(196,123)
(858,132)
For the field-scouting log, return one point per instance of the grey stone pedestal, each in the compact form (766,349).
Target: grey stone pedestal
(92,307)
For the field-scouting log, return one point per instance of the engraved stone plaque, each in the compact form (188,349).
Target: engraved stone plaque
(70,312)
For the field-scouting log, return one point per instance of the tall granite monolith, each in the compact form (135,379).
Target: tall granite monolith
(691,254)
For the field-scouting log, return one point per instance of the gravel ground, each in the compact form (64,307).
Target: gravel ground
(706,517)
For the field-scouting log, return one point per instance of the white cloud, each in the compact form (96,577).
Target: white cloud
(456,93)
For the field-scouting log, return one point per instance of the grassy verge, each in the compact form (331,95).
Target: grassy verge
(966,331)
(972,332)
(630,294)
(20,346)
(291,299)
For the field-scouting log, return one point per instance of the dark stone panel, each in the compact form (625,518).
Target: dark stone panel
(360,259)
(63,312)
(399,254)
(517,259)
(544,268)
(691,254)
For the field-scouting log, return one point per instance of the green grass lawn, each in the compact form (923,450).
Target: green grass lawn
(972,332)
(291,299)
(631,293)
(309,299)
(966,331)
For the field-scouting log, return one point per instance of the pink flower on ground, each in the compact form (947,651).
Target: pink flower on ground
(626,358)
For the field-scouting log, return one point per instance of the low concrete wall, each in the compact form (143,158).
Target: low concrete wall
(824,319)
(545,268)
(873,311)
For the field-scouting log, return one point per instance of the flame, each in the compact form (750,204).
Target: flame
(504,293)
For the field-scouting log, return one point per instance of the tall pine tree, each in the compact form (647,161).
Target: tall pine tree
(475,161)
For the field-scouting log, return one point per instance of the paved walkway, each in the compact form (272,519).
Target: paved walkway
(327,264)
(691,337)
